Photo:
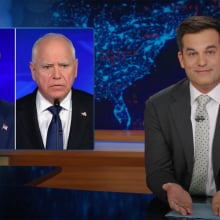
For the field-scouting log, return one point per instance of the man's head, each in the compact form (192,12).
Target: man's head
(198,39)
(195,24)
(54,66)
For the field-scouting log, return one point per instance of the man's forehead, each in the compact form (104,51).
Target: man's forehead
(204,48)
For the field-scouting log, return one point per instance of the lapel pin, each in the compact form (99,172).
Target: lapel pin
(84,114)
(4,127)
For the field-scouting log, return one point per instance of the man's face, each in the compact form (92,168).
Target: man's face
(201,59)
(54,68)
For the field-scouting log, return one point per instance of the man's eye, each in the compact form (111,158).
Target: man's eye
(64,65)
(46,67)
(210,52)
(192,54)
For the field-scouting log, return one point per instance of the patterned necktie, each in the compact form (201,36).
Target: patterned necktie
(55,133)
(200,168)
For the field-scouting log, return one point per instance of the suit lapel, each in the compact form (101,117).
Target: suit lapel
(181,112)
(31,119)
(216,150)
(3,133)
(74,122)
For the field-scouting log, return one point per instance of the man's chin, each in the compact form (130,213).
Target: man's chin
(57,93)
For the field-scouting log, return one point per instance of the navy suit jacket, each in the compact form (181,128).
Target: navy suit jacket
(169,149)
(6,125)
(81,134)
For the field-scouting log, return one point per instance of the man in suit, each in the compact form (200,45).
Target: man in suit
(7,125)
(54,69)
(170,118)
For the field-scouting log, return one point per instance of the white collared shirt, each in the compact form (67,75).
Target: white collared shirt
(212,109)
(45,117)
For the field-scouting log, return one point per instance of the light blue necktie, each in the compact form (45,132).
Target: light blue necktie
(200,168)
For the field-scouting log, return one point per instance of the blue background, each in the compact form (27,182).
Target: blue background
(7,64)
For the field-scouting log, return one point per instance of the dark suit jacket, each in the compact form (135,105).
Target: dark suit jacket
(81,135)
(169,139)
(6,125)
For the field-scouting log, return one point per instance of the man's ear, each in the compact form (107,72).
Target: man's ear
(32,68)
(180,57)
(75,67)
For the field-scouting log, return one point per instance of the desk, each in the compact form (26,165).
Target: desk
(119,135)
(57,204)
(46,203)
(19,201)
(114,171)
(21,175)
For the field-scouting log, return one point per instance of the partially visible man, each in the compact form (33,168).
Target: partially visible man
(7,125)
(54,69)
(182,122)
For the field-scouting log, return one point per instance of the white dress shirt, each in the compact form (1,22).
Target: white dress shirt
(212,108)
(45,117)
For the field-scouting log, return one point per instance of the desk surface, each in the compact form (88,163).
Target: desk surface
(26,175)
(45,203)
(18,200)
(60,204)
(119,135)
(88,170)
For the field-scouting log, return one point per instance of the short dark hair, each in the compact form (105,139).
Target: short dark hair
(196,24)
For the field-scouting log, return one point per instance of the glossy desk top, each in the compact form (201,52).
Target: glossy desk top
(26,175)
(21,200)
(45,203)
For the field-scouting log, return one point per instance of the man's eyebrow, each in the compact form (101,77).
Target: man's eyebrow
(190,49)
(46,64)
(208,47)
(64,62)
(211,47)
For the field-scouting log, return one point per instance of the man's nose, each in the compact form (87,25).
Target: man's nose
(202,61)
(56,72)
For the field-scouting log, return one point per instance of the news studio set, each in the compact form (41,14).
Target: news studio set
(126,52)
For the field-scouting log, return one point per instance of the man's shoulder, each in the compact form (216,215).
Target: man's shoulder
(171,90)
(6,104)
(6,107)
(79,94)
(26,100)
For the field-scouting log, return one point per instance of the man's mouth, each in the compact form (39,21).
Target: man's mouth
(56,85)
(205,71)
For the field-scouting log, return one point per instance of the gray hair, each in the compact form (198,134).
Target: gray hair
(52,36)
